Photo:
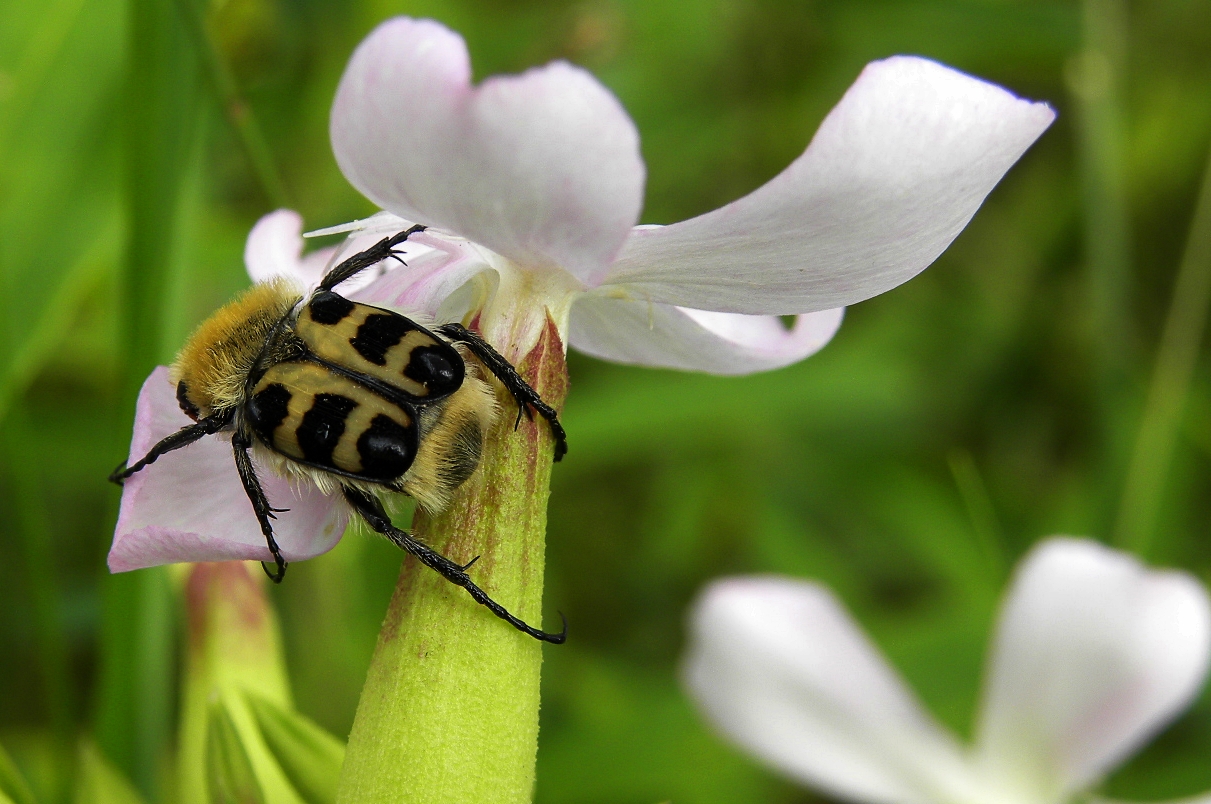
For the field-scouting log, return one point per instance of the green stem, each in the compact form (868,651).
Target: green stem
(980,510)
(1100,128)
(31,523)
(135,706)
(449,712)
(1175,362)
(161,129)
(1094,76)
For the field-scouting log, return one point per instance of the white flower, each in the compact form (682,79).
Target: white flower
(1093,654)
(539,176)
(532,185)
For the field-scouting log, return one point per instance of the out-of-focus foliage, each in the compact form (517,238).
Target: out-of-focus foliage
(951,423)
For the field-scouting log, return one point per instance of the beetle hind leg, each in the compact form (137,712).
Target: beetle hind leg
(527,398)
(375,515)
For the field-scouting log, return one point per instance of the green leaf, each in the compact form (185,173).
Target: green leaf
(13,787)
(80,280)
(98,782)
(310,757)
(56,153)
(228,767)
(233,648)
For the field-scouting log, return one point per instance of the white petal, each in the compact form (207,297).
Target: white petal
(380,223)
(543,167)
(1093,654)
(190,506)
(780,667)
(650,334)
(892,176)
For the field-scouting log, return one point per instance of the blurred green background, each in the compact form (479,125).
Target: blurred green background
(992,401)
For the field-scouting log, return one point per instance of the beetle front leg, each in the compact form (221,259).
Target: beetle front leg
(265,513)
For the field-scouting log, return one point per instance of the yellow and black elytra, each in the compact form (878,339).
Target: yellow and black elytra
(354,398)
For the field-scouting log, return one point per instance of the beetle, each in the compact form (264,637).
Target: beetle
(359,400)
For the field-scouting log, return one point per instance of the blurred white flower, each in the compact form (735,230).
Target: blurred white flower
(1092,655)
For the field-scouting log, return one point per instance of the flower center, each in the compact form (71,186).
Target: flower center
(512,318)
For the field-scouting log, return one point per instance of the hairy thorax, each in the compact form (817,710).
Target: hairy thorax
(211,370)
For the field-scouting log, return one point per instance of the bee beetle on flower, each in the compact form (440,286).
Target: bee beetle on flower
(531,187)
(356,399)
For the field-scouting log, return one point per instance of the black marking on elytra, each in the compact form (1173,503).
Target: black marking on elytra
(386,448)
(378,334)
(187,407)
(267,409)
(396,396)
(329,308)
(322,427)
(431,366)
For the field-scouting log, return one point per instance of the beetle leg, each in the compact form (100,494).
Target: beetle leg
(240,445)
(372,511)
(181,438)
(503,370)
(382,250)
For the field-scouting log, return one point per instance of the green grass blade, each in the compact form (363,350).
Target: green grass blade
(136,698)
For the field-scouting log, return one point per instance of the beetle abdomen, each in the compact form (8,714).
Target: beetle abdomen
(322,419)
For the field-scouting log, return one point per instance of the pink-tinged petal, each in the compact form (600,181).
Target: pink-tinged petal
(779,667)
(275,248)
(190,506)
(1093,654)
(542,167)
(894,173)
(314,264)
(661,335)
